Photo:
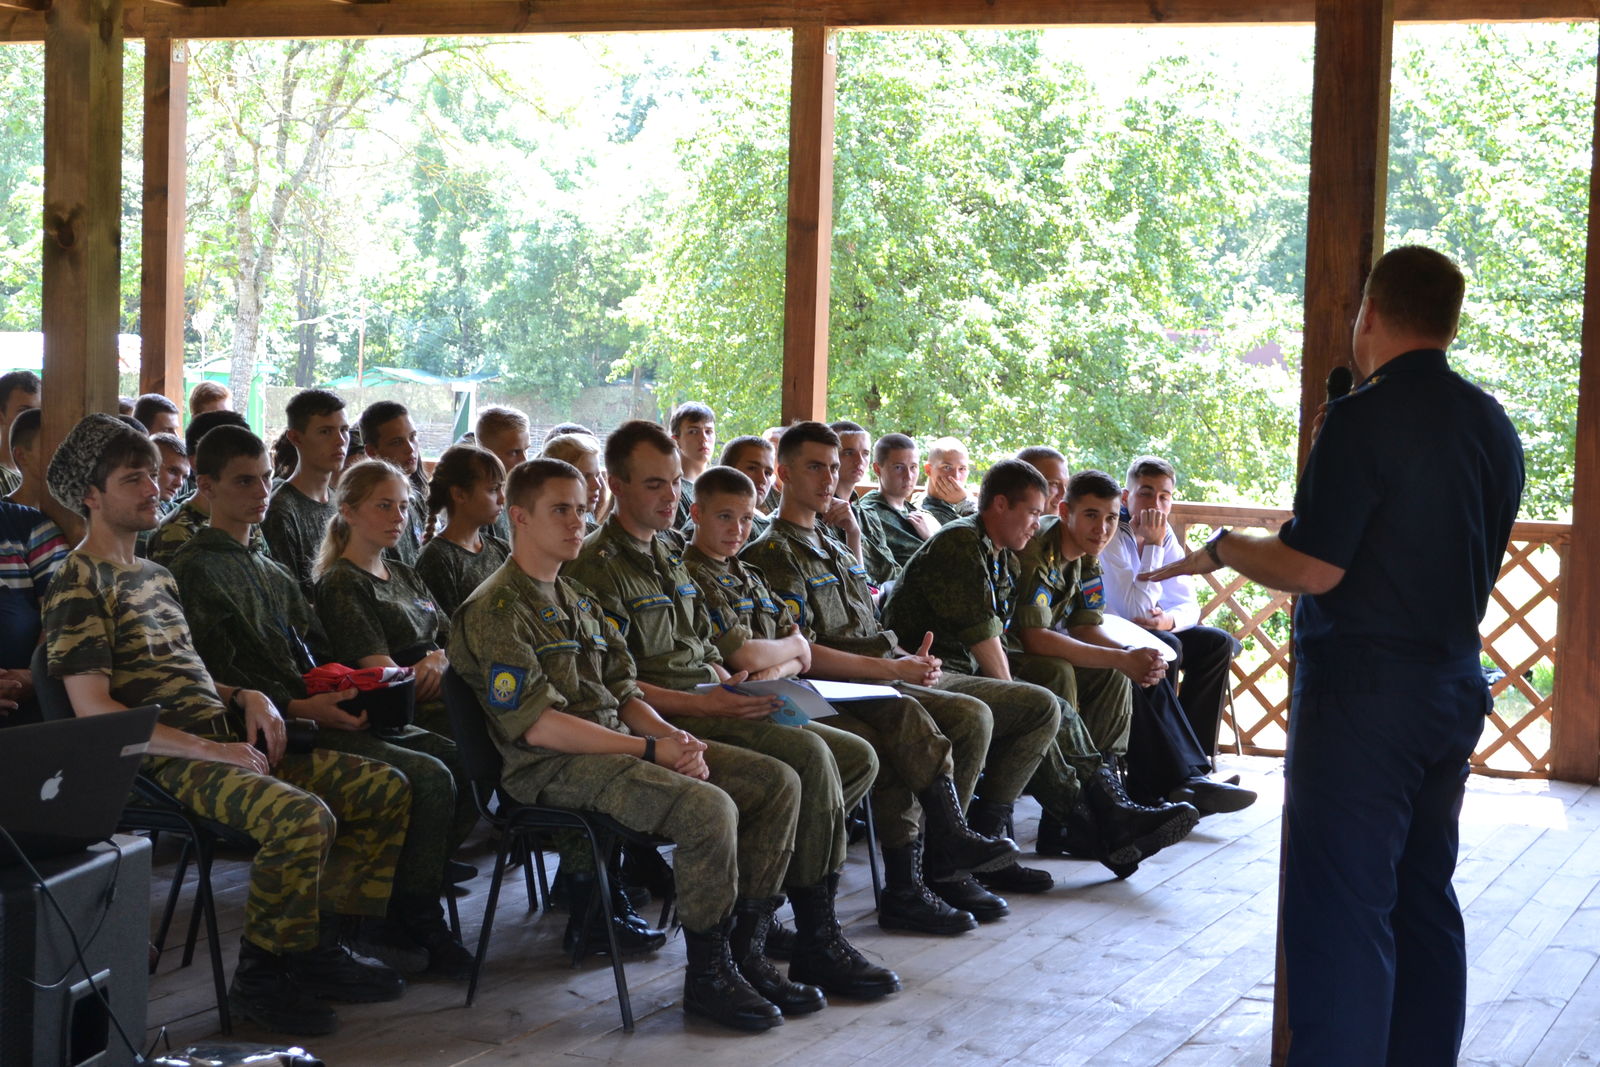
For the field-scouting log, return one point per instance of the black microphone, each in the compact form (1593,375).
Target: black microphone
(1339,382)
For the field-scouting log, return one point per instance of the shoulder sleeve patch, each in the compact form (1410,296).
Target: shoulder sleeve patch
(1041,596)
(1094,594)
(505,686)
(796,605)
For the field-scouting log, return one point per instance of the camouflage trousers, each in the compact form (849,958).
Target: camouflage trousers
(1026,718)
(1100,696)
(733,833)
(912,753)
(330,828)
(836,770)
(442,809)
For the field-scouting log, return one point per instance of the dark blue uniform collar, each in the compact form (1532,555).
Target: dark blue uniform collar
(1418,359)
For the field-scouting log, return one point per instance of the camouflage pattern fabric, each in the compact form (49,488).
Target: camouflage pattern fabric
(294,528)
(895,539)
(364,615)
(822,585)
(946,512)
(738,602)
(525,647)
(451,573)
(179,526)
(959,587)
(1054,593)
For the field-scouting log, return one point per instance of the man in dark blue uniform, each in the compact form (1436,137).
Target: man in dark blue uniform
(1400,522)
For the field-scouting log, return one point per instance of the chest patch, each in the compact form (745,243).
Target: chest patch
(652,600)
(549,613)
(556,646)
(822,581)
(687,589)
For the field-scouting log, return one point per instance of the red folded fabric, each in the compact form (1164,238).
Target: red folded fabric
(333,677)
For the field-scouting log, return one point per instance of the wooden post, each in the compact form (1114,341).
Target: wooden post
(166,120)
(1349,165)
(82,211)
(809,259)
(1575,716)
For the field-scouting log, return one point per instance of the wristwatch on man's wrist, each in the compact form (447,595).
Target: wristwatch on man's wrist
(649,750)
(1213,541)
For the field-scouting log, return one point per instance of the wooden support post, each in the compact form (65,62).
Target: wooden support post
(1349,165)
(809,259)
(1575,717)
(82,211)
(166,119)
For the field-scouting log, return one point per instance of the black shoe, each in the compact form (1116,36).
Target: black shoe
(334,972)
(1213,798)
(955,846)
(822,955)
(456,872)
(963,893)
(634,935)
(855,828)
(747,945)
(780,941)
(714,988)
(387,941)
(987,817)
(422,919)
(264,992)
(908,904)
(1131,832)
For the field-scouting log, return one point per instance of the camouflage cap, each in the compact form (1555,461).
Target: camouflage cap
(73,464)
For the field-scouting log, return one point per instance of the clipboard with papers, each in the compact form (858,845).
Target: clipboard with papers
(806,699)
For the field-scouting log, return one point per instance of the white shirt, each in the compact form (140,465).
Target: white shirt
(1123,561)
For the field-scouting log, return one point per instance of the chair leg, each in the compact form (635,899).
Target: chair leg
(208,906)
(171,907)
(488,916)
(544,882)
(602,889)
(193,935)
(455,913)
(872,851)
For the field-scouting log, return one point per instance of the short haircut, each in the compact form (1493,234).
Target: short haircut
(1418,290)
(221,446)
(726,480)
(309,404)
(208,393)
(569,427)
(570,446)
(377,414)
(804,433)
(1150,467)
(890,442)
(493,420)
(172,443)
(1010,478)
(1034,453)
(149,405)
(25,429)
(17,381)
(689,411)
(526,480)
(1096,484)
(630,435)
(844,426)
(207,421)
(731,450)
(937,450)
(124,405)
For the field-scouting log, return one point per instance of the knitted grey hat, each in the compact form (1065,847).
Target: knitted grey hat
(73,464)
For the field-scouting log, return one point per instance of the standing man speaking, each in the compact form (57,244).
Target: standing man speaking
(1400,522)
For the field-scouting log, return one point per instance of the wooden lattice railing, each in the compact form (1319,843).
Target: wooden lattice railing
(1519,636)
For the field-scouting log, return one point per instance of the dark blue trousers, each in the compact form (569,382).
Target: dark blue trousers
(1375,953)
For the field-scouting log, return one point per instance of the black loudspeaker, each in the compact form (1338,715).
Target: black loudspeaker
(50,1015)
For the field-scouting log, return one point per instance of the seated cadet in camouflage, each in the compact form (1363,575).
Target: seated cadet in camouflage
(582,450)
(1052,465)
(640,581)
(556,683)
(1055,639)
(173,472)
(960,587)
(329,825)
(253,628)
(297,518)
(897,528)
(973,726)
(946,497)
(757,459)
(504,432)
(374,609)
(468,485)
(842,520)
(693,427)
(387,433)
(175,528)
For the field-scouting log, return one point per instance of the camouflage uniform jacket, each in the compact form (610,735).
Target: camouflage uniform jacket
(681,518)
(946,512)
(178,527)
(895,540)
(1053,593)
(647,592)
(294,528)
(525,646)
(451,573)
(823,587)
(364,615)
(959,587)
(738,601)
(125,622)
(251,625)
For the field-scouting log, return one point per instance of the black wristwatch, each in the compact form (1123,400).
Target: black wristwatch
(1211,544)
(236,701)
(649,750)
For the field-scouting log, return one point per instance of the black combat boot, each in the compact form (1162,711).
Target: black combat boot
(780,941)
(331,971)
(823,957)
(751,920)
(1129,831)
(1078,839)
(962,892)
(988,817)
(265,992)
(421,921)
(908,904)
(954,846)
(634,935)
(714,988)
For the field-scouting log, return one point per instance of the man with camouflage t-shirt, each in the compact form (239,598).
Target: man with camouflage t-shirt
(329,825)
(297,518)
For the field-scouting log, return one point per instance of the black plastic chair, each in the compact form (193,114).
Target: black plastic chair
(523,826)
(154,810)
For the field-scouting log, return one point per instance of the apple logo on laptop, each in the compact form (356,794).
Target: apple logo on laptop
(51,787)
